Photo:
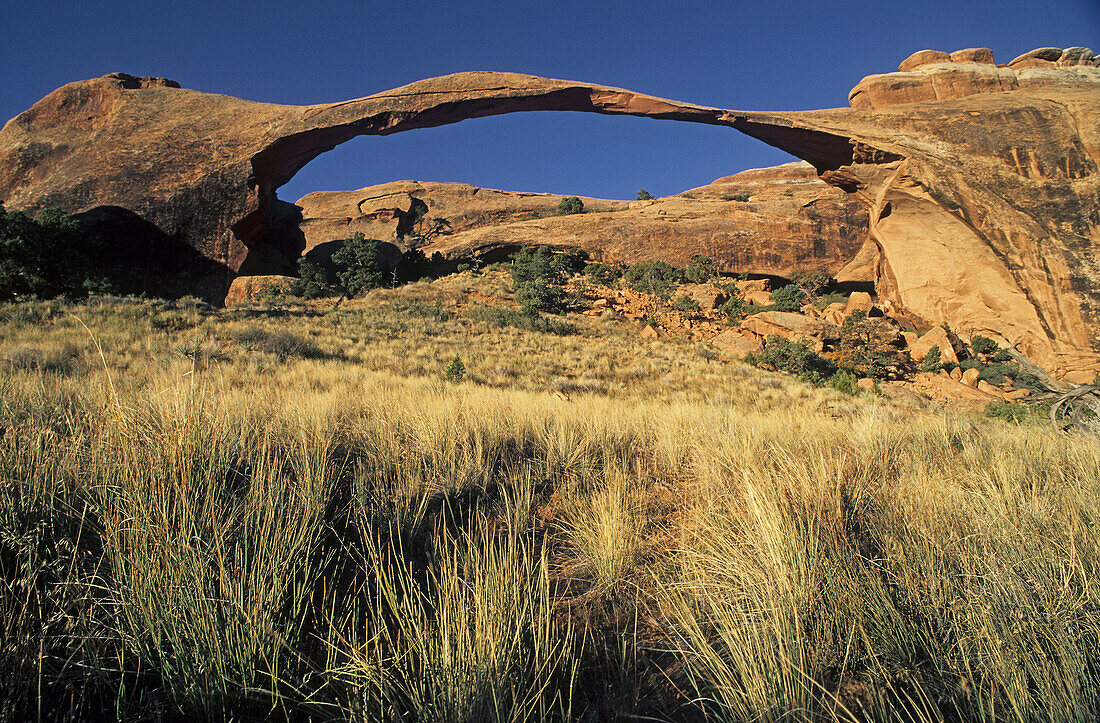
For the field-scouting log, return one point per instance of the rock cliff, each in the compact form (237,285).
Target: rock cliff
(983,197)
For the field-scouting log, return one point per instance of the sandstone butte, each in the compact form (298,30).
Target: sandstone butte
(980,182)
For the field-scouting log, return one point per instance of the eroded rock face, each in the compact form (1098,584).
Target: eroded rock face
(983,196)
(790,221)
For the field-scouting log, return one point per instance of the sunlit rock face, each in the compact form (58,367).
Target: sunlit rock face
(980,189)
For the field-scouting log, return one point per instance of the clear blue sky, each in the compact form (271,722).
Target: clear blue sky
(765,55)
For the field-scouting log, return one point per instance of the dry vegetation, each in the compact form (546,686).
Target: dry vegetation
(289,513)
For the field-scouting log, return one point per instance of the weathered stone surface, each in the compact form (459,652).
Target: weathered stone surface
(736,343)
(982,189)
(794,221)
(970,377)
(790,325)
(249,289)
(859,301)
(937,336)
(705,295)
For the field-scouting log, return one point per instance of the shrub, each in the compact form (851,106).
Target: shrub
(685,304)
(643,195)
(931,361)
(538,275)
(701,269)
(793,357)
(867,348)
(742,197)
(455,371)
(1007,411)
(813,282)
(313,281)
(605,274)
(570,205)
(653,277)
(788,298)
(844,382)
(733,308)
(47,256)
(360,263)
(283,344)
(983,344)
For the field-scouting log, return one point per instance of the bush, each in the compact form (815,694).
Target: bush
(653,277)
(47,256)
(685,304)
(867,348)
(360,263)
(844,382)
(538,275)
(313,282)
(932,360)
(793,357)
(605,274)
(733,308)
(283,344)
(742,197)
(701,269)
(788,298)
(983,345)
(643,195)
(813,282)
(1007,411)
(570,205)
(456,371)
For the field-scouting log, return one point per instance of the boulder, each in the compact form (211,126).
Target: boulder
(938,336)
(970,377)
(956,374)
(835,313)
(859,301)
(706,296)
(746,286)
(649,332)
(757,298)
(737,344)
(252,289)
(866,384)
(791,326)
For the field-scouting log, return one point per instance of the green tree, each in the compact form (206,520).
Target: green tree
(643,195)
(313,281)
(456,371)
(788,298)
(653,277)
(701,269)
(359,261)
(46,256)
(570,205)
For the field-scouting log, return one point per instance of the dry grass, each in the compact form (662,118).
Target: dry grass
(231,532)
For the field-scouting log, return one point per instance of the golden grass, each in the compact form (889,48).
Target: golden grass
(193,528)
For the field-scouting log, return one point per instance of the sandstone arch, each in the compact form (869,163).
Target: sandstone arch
(991,188)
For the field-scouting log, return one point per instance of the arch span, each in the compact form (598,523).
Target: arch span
(993,222)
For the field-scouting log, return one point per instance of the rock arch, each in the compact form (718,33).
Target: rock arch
(992,188)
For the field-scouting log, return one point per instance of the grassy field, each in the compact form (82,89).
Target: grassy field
(290,513)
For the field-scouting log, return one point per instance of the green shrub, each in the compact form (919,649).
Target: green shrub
(455,371)
(605,274)
(313,282)
(653,277)
(283,344)
(526,318)
(1007,411)
(570,205)
(813,282)
(931,361)
(48,256)
(867,348)
(793,357)
(983,344)
(844,382)
(733,308)
(701,269)
(643,195)
(360,262)
(742,197)
(685,304)
(788,298)
(538,275)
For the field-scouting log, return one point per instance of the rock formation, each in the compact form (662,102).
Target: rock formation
(982,197)
(773,221)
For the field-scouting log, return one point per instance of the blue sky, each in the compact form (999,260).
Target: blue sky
(753,56)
